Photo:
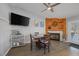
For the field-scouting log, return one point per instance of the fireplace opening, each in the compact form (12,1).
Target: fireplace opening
(55,36)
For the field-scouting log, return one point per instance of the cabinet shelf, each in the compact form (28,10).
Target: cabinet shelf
(17,40)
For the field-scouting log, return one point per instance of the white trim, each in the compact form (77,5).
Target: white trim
(61,34)
(7,51)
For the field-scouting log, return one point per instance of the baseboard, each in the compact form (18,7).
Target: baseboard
(7,51)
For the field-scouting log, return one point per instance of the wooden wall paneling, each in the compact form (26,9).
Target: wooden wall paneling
(56,24)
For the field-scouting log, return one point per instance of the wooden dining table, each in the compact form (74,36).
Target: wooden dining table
(42,41)
(38,38)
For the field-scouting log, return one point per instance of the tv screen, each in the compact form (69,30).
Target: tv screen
(17,19)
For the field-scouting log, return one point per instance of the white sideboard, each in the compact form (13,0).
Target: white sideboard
(17,40)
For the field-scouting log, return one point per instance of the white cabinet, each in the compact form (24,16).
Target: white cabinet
(17,40)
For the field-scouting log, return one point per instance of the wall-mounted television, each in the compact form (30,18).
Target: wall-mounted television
(17,19)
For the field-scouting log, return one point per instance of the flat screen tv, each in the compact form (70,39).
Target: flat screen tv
(17,19)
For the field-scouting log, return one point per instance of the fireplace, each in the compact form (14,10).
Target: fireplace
(56,35)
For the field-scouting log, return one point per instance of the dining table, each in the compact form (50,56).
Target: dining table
(42,41)
(37,38)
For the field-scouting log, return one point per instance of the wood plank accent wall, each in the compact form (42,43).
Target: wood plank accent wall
(55,24)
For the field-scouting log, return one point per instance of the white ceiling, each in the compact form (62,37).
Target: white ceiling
(61,10)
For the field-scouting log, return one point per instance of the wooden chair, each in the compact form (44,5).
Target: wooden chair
(33,40)
(45,43)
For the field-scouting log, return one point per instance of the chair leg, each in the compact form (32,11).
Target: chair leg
(48,48)
(44,49)
(31,46)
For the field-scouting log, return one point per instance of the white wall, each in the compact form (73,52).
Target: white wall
(26,30)
(4,29)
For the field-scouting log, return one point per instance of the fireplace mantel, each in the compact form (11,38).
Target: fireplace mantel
(60,32)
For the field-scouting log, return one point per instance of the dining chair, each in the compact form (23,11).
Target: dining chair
(33,40)
(45,42)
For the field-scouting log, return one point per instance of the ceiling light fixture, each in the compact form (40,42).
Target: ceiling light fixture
(49,8)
